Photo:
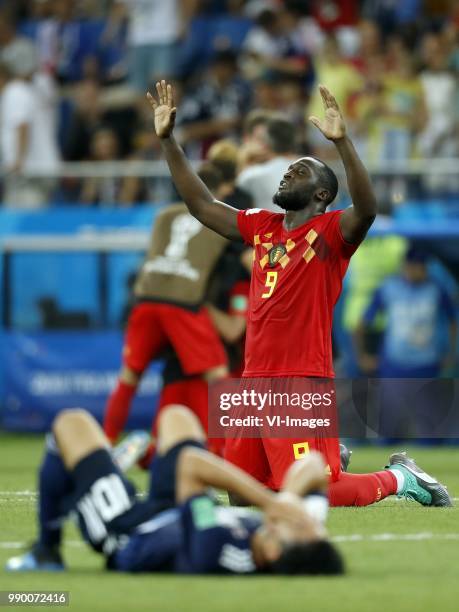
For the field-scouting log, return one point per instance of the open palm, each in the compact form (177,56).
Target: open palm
(164,109)
(332,125)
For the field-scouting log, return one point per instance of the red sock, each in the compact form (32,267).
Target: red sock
(117,410)
(362,489)
(144,462)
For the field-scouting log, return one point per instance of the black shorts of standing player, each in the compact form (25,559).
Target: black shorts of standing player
(197,535)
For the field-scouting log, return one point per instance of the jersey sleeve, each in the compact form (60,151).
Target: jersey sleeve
(336,239)
(215,541)
(249,221)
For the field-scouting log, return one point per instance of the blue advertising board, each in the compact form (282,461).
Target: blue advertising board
(46,372)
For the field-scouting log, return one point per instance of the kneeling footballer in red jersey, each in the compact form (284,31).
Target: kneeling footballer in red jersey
(301,257)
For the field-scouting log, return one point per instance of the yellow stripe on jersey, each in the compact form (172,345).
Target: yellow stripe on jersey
(310,238)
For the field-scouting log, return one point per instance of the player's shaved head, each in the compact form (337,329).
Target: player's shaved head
(327,179)
(307,181)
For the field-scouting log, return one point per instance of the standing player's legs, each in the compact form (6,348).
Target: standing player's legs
(144,339)
(195,342)
(199,359)
(190,391)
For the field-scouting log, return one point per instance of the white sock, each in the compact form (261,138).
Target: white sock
(399,475)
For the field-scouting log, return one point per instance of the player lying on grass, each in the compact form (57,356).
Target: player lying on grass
(195,535)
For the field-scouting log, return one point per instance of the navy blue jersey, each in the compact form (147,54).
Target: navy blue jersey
(105,502)
(199,537)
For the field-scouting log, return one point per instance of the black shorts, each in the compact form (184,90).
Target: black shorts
(162,491)
(105,502)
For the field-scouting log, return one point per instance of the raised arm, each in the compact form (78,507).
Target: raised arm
(198,470)
(210,212)
(357,219)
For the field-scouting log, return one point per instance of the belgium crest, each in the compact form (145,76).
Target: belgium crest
(276,253)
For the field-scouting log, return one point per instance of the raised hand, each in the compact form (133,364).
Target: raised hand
(332,126)
(164,109)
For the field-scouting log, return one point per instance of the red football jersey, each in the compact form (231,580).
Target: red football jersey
(296,280)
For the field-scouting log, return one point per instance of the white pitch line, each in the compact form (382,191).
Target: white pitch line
(26,493)
(355,537)
(391,537)
(16,545)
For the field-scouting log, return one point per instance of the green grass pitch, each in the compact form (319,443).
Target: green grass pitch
(400,556)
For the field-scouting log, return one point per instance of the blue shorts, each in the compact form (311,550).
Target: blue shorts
(162,490)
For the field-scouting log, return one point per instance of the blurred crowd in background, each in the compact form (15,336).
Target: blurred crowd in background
(73,112)
(73,77)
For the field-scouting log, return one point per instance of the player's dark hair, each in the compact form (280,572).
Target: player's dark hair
(280,134)
(211,176)
(309,558)
(326,178)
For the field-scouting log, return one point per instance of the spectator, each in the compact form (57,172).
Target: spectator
(261,181)
(85,118)
(415,307)
(28,136)
(102,190)
(112,45)
(155,28)
(253,149)
(59,43)
(266,94)
(136,188)
(391,108)
(92,108)
(12,46)
(392,14)
(369,45)
(333,14)
(440,136)
(223,154)
(214,109)
(376,259)
(413,347)
(277,47)
(342,78)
